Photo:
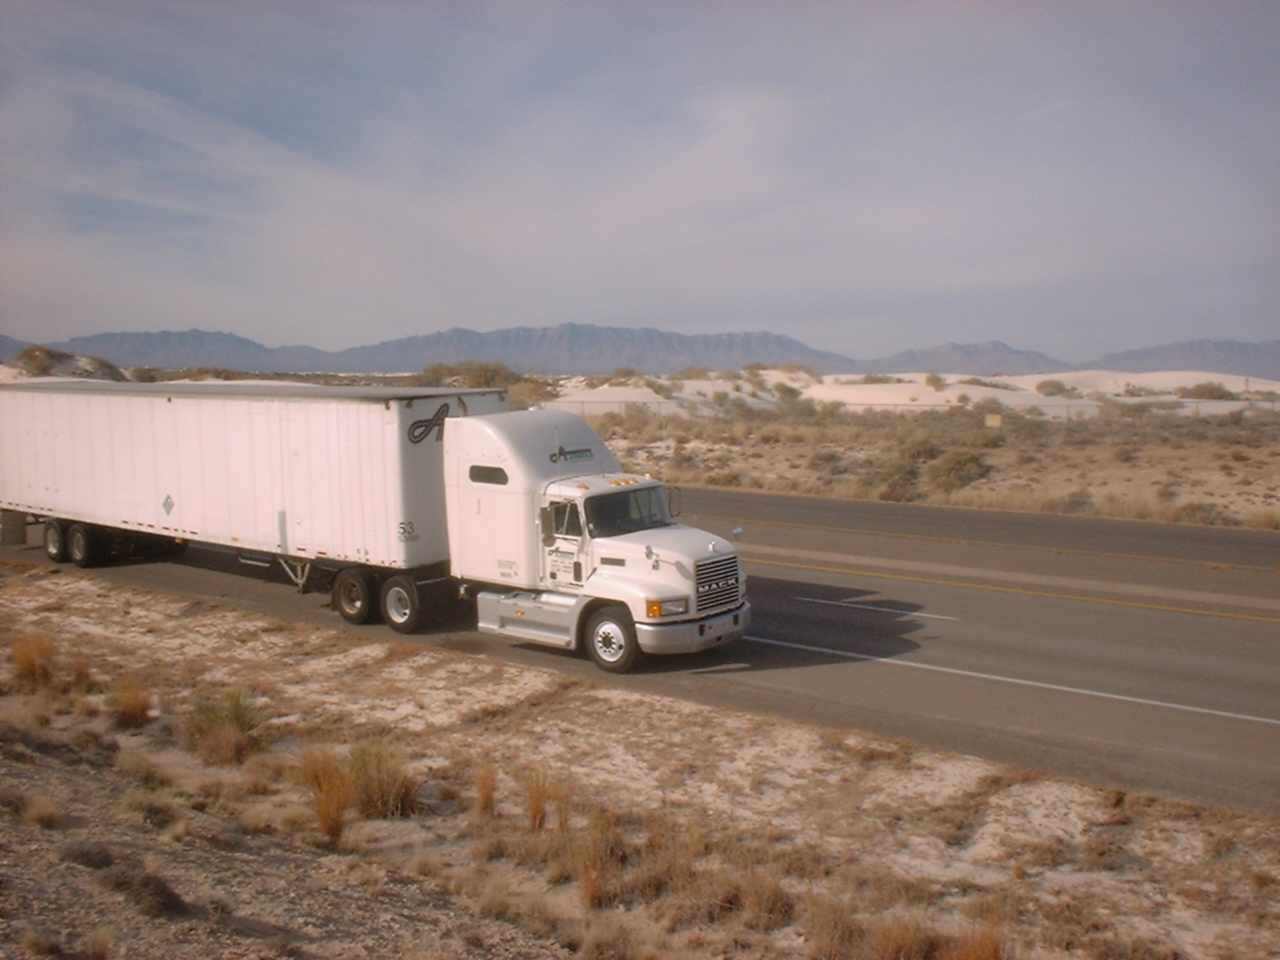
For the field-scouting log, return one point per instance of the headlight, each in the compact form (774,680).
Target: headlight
(666,608)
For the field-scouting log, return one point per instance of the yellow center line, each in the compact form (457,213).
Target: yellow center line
(971,541)
(1023,591)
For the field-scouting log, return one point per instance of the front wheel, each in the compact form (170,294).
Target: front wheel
(55,541)
(354,594)
(401,603)
(611,639)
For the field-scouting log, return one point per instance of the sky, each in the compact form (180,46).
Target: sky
(867,177)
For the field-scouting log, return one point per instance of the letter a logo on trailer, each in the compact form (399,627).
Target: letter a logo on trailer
(419,430)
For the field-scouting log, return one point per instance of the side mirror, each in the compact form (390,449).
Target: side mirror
(674,499)
(737,533)
(547,522)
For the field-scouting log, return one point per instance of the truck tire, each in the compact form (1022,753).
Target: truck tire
(611,639)
(401,603)
(355,595)
(55,541)
(82,545)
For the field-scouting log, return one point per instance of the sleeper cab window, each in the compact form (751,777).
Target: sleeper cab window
(494,475)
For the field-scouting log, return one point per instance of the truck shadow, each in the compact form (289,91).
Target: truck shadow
(800,624)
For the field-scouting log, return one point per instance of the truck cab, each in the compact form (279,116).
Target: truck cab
(562,547)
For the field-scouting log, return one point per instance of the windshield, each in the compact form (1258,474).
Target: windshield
(627,511)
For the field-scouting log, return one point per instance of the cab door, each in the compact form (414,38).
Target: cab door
(562,546)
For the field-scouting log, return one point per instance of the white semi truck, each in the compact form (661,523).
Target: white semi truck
(401,498)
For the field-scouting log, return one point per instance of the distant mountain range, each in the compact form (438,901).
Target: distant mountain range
(586,348)
(990,357)
(568,348)
(1259,359)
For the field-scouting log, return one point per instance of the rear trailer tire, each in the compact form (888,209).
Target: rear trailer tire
(82,545)
(354,595)
(55,541)
(401,603)
(611,639)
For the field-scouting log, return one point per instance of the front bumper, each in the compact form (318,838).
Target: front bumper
(691,636)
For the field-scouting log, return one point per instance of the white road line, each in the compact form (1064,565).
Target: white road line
(890,661)
(867,606)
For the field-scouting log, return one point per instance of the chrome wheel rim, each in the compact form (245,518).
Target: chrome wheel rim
(78,546)
(399,606)
(609,641)
(351,597)
(52,541)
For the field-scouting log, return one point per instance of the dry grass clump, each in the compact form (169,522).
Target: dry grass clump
(486,790)
(130,703)
(832,928)
(87,853)
(98,945)
(136,764)
(598,859)
(537,789)
(380,781)
(41,810)
(222,729)
(330,787)
(34,661)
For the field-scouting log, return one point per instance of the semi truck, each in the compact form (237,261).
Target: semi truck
(397,500)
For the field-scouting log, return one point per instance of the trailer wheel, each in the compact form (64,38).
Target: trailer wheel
(55,541)
(401,603)
(611,639)
(354,595)
(82,545)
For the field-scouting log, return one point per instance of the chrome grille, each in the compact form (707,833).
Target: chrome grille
(718,581)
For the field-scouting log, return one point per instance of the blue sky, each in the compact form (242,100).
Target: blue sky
(1075,178)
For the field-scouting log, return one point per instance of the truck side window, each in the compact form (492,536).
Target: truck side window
(568,523)
(479,474)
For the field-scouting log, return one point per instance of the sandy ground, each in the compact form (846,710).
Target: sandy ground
(1061,869)
(912,392)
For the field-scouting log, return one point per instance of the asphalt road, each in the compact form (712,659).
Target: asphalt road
(1124,654)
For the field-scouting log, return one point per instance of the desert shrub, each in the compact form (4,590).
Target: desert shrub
(130,703)
(872,379)
(34,661)
(148,891)
(991,384)
(625,373)
(936,381)
(1265,519)
(222,729)
(802,369)
(957,469)
(530,392)
(919,448)
(692,373)
(87,853)
(1055,388)
(39,361)
(1209,390)
(380,781)
(899,483)
(1203,512)
(469,373)
(786,393)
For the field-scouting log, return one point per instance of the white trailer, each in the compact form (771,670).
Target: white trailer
(391,493)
